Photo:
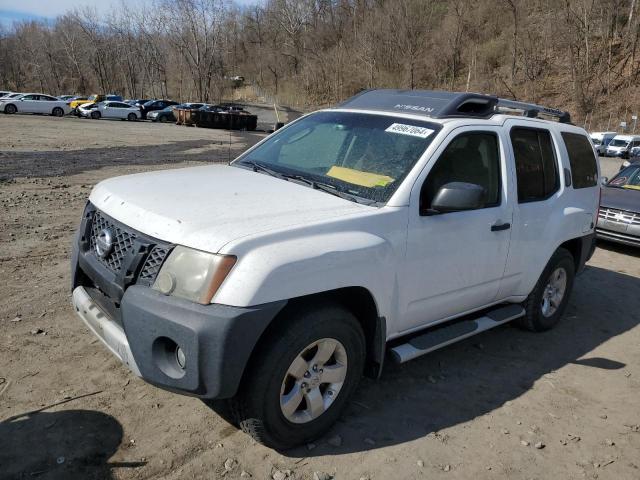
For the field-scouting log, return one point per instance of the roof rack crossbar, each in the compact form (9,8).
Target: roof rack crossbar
(532,110)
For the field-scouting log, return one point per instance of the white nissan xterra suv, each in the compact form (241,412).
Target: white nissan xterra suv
(390,226)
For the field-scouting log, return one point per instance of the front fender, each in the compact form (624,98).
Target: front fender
(313,264)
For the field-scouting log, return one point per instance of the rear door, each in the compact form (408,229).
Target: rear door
(122,109)
(455,261)
(47,103)
(535,154)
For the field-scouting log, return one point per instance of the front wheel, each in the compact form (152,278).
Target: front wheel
(58,112)
(95,115)
(10,109)
(132,117)
(301,377)
(546,303)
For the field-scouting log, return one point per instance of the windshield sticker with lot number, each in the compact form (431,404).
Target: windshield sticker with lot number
(412,130)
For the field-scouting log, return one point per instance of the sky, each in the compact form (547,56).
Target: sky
(46,10)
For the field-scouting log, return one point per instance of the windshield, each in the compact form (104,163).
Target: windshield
(618,142)
(627,178)
(596,141)
(363,155)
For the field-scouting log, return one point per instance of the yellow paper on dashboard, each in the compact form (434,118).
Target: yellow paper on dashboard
(364,179)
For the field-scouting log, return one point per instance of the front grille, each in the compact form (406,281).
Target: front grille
(619,216)
(153,263)
(122,241)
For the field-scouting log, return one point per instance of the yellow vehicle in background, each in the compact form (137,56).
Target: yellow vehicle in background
(95,98)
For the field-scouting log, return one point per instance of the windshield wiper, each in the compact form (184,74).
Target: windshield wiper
(258,167)
(325,187)
(328,188)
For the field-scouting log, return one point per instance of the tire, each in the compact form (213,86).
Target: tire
(543,315)
(163,119)
(57,112)
(10,109)
(96,115)
(256,407)
(132,117)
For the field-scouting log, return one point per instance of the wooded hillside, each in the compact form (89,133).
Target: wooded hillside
(580,55)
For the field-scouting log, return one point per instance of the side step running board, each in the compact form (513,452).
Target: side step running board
(441,336)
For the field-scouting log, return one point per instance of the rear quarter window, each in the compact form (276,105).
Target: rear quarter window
(584,170)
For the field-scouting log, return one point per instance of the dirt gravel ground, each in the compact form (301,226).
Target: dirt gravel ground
(564,404)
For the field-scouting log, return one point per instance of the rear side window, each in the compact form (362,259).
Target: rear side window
(584,170)
(536,168)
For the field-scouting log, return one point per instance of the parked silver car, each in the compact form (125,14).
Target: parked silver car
(619,213)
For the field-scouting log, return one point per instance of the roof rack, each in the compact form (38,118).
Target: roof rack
(532,110)
(436,104)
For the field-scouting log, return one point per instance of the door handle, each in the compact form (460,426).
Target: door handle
(497,227)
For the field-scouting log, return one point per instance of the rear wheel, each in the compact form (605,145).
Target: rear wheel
(95,115)
(301,377)
(10,109)
(546,303)
(58,112)
(132,117)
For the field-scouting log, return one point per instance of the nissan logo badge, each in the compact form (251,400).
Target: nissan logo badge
(104,243)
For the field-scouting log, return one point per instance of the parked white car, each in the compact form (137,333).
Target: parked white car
(111,109)
(393,225)
(35,103)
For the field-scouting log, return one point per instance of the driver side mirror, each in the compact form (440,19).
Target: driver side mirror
(604,180)
(455,197)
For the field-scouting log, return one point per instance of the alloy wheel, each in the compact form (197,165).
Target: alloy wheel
(313,381)
(554,292)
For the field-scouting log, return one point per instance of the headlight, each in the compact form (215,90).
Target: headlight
(193,275)
(626,163)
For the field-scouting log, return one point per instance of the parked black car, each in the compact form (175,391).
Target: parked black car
(619,214)
(153,105)
(137,102)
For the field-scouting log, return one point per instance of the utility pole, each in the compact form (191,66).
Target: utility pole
(635,120)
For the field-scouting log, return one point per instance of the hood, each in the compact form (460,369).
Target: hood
(207,207)
(621,199)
